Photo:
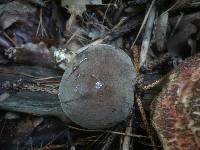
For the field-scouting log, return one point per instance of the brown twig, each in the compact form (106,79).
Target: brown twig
(40,25)
(144,22)
(144,118)
(51,147)
(108,131)
(9,38)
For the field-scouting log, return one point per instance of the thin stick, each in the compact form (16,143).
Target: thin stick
(196,3)
(127,139)
(72,37)
(47,78)
(154,83)
(40,26)
(9,38)
(108,131)
(177,24)
(51,147)
(177,3)
(144,22)
(144,118)
(109,141)
(104,17)
(94,142)
(172,7)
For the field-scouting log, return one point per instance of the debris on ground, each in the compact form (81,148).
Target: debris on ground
(152,102)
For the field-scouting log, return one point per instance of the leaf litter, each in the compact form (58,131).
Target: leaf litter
(39,38)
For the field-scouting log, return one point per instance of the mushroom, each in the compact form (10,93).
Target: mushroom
(96,90)
(176,111)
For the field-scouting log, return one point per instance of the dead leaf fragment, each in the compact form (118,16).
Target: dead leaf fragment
(79,6)
(161,30)
(30,53)
(13,12)
(25,127)
(180,44)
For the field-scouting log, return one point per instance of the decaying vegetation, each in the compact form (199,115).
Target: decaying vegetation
(38,41)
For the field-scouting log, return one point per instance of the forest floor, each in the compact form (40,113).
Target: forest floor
(156,34)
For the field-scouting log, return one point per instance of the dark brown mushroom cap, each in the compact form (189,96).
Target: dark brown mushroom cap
(176,115)
(97,90)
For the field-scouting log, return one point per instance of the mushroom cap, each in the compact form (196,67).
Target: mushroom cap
(176,111)
(97,89)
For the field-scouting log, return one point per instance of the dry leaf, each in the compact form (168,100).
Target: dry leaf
(79,6)
(13,12)
(161,31)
